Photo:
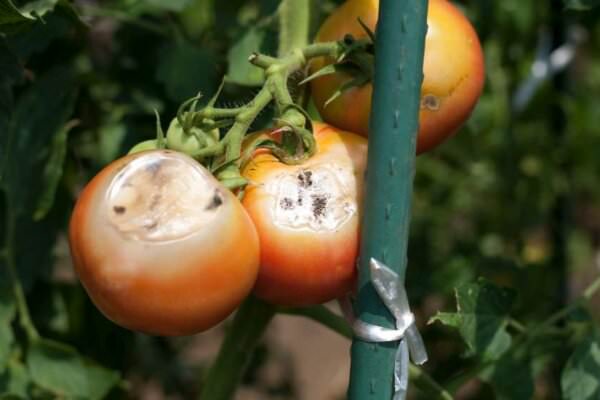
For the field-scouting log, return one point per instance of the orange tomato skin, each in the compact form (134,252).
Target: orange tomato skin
(302,266)
(453,69)
(172,287)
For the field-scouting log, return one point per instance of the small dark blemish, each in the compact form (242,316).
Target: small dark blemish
(305,179)
(119,209)
(215,202)
(286,203)
(151,226)
(300,199)
(430,102)
(154,167)
(319,205)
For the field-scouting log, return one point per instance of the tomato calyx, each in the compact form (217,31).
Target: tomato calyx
(356,61)
(214,136)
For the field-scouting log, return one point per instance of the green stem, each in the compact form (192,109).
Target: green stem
(236,351)
(294,24)
(294,27)
(587,295)
(11,265)
(324,316)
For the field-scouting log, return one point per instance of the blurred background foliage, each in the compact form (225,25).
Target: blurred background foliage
(514,197)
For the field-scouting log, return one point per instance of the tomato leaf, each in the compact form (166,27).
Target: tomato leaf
(579,380)
(511,378)
(7,314)
(32,127)
(10,73)
(53,171)
(239,70)
(39,36)
(481,318)
(28,130)
(60,369)
(14,381)
(10,14)
(13,18)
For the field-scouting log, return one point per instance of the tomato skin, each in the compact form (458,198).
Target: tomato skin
(453,70)
(301,265)
(178,284)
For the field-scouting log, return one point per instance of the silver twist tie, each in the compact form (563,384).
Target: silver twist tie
(391,290)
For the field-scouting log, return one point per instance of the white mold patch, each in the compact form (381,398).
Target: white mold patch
(162,196)
(318,198)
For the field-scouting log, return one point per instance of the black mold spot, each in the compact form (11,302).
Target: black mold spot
(119,209)
(286,203)
(319,205)
(215,202)
(305,179)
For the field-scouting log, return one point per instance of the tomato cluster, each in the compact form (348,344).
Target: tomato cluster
(163,247)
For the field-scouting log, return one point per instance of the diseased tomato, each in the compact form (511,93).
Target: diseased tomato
(453,70)
(161,246)
(307,217)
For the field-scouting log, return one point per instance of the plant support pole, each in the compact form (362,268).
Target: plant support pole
(399,48)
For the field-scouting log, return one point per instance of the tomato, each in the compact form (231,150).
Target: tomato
(453,70)
(161,246)
(307,217)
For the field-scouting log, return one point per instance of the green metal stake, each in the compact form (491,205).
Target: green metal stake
(399,51)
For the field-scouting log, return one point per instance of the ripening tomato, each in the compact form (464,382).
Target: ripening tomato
(161,246)
(453,70)
(307,217)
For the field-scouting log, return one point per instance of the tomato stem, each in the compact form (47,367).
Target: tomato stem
(242,337)
(275,89)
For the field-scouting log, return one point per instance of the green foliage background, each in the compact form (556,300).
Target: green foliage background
(513,198)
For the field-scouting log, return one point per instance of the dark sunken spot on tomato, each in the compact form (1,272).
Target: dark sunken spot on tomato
(287,204)
(119,210)
(305,179)
(215,202)
(319,205)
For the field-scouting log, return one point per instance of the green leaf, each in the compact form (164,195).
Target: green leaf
(39,36)
(10,73)
(579,379)
(61,370)
(185,70)
(481,318)
(581,4)
(32,128)
(15,380)
(28,132)
(240,70)
(7,314)
(11,396)
(10,14)
(53,171)
(511,378)
(13,18)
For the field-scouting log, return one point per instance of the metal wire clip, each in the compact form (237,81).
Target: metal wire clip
(393,294)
